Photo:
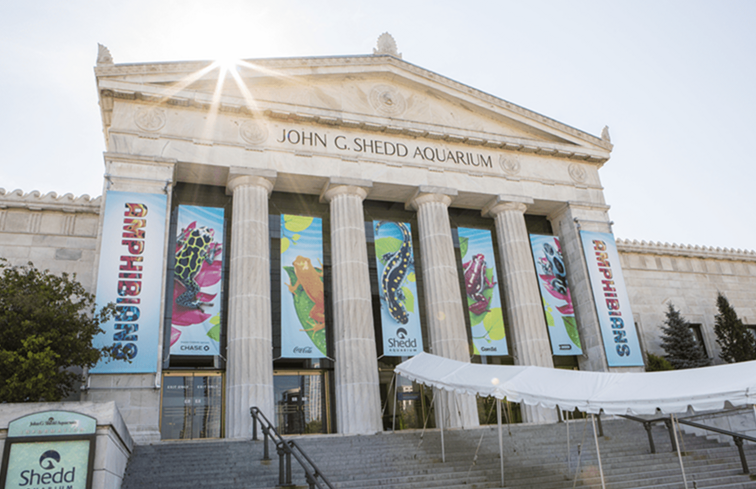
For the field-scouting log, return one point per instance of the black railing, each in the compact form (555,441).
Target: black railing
(736,437)
(286,449)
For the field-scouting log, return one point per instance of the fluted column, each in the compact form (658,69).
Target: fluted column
(524,306)
(249,370)
(443,301)
(358,399)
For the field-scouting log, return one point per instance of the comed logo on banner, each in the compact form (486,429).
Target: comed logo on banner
(53,471)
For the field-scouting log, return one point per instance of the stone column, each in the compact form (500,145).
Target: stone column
(566,222)
(443,299)
(358,399)
(524,307)
(249,370)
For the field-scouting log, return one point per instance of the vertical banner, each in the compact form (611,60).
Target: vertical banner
(196,319)
(555,295)
(482,291)
(400,317)
(130,275)
(303,332)
(612,303)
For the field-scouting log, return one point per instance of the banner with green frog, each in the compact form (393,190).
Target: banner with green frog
(196,313)
(482,292)
(555,294)
(303,333)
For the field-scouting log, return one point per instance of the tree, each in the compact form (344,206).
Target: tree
(658,363)
(47,323)
(679,344)
(734,339)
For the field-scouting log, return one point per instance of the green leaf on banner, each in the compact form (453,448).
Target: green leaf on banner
(571,327)
(547,313)
(411,277)
(303,305)
(214,333)
(463,243)
(409,299)
(284,244)
(215,319)
(386,245)
(296,237)
(297,224)
(494,324)
(475,350)
(475,319)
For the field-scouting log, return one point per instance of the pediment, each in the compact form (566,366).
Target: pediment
(379,93)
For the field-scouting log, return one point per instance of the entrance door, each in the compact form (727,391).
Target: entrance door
(192,405)
(301,401)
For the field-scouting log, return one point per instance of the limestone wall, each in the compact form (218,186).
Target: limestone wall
(690,278)
(57,233)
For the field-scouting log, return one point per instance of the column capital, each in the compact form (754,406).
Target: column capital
(425,194)
(502,203)
(248,176)
(345,186)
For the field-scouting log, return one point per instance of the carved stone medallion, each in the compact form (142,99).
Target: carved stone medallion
(510,164)
(387,100)
(577,172)
(150,118)
(253,132)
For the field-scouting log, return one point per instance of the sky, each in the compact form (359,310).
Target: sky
(673,80)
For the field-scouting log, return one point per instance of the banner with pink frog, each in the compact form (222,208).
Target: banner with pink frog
(555,294)
(482,291)
(196,313)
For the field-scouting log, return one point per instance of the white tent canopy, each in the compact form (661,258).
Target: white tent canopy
(673,391)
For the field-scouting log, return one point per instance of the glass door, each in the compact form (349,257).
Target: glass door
(192,405)
(302,401)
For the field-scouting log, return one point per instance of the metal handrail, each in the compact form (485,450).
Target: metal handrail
(736,437)
(285,450)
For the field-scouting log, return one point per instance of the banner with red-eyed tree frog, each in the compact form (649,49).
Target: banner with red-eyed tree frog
(196,316)
(556,296)
(303,333)
(482,292)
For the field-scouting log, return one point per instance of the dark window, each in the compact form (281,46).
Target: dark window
(698,337)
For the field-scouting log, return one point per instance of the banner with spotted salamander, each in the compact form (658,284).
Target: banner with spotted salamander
(303,318)
(400,315)
(130,275)
(555,295)
(196,305)
(482,292)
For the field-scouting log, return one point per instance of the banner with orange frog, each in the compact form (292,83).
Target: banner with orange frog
(303,320)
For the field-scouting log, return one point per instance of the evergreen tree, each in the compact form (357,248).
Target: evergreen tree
(734,339)
(679,344)
(47,323)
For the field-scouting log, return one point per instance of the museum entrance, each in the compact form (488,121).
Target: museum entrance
(192,405)
(302,401)
(406,404)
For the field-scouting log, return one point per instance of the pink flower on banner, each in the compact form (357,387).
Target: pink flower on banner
(186,316)
(175,335)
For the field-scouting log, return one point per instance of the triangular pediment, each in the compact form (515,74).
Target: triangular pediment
(379,93)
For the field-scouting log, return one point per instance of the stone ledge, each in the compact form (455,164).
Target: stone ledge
(690,251)
(36,201)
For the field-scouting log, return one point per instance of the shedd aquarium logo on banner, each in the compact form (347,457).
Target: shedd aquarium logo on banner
(48,465)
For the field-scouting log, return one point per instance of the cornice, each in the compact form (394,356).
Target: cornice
(36,201)
(323,117)
(688,251)
(339,62)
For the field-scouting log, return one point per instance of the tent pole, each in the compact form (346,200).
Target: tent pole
(679,455)
(441,418)
(396,387)
(598,452)
(501,441)
(567,422)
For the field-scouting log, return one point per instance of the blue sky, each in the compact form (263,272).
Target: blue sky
(673,80)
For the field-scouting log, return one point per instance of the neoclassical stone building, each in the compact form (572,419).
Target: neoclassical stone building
(349,143)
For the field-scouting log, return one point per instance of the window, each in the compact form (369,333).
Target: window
(698,337)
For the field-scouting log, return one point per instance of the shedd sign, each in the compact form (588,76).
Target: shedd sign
(49,450)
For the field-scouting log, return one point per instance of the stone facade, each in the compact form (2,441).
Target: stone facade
(346,136)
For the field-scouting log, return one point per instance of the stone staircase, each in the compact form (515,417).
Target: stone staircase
(534,457)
